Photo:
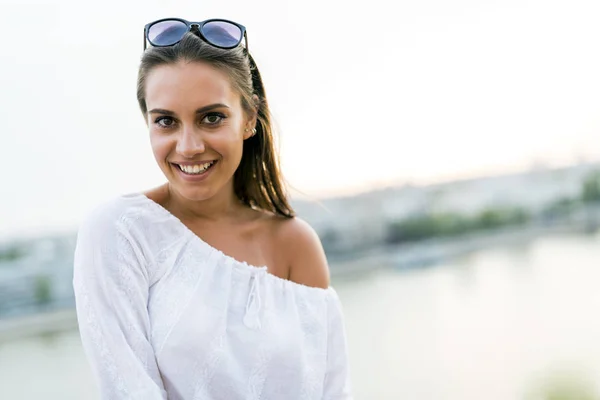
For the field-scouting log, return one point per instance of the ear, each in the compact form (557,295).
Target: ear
(250,125)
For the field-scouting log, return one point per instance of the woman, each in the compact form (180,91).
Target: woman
(207,287)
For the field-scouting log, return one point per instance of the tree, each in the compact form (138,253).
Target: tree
(12,253)
(590,191)
(42,290)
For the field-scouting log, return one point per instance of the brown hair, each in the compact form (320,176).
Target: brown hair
(257,182)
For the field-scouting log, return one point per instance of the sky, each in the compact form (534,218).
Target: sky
(364,94)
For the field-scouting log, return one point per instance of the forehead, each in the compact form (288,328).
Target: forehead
(185,86)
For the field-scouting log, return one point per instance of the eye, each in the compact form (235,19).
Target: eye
(165,122)
(213,118)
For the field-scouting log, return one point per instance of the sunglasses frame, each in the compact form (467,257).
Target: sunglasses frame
(198,26)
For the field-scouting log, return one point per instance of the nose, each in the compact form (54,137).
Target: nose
(190,143)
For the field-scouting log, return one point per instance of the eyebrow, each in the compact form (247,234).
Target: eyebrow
(198,111)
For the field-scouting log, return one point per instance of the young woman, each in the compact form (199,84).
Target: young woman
(207,287)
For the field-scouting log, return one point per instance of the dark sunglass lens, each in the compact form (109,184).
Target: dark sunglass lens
(166,33)
(222,34)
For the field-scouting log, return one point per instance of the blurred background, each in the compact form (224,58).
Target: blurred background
(447,153)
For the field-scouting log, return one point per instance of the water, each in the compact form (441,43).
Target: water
(495,325)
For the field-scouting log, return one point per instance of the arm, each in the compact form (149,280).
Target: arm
(111,292)
(337,378)
(308,266)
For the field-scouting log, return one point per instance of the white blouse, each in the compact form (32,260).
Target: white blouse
(163,315)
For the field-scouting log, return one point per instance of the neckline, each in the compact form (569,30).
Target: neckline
(239,264)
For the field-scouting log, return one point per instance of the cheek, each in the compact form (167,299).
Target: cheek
(229,143)
(237,147)
(160,146)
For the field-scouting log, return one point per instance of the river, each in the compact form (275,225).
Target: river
(497,324)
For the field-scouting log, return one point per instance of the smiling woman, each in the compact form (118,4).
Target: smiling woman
(207,287)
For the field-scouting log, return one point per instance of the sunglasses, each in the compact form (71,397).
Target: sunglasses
(217,32)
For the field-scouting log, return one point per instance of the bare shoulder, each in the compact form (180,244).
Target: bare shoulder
(158,194)
(303,251)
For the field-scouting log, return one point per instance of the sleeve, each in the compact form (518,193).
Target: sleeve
(111,284)
(337,375)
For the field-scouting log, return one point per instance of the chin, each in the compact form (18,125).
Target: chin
(192,193)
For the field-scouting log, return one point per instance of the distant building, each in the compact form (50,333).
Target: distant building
(40,279)
(347,224)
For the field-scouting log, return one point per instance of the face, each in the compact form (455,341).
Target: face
(197,128)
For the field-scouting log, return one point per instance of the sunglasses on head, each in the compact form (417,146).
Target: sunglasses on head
(217,32)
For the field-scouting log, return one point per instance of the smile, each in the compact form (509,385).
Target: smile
(195,169)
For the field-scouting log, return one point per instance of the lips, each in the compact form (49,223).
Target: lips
(194,172)
(195,168)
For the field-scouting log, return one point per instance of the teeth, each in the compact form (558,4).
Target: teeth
(195,169)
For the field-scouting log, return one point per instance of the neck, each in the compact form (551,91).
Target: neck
(223,205)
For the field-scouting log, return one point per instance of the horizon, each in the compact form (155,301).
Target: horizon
(41,232)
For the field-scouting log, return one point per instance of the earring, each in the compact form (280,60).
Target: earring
(253,131)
